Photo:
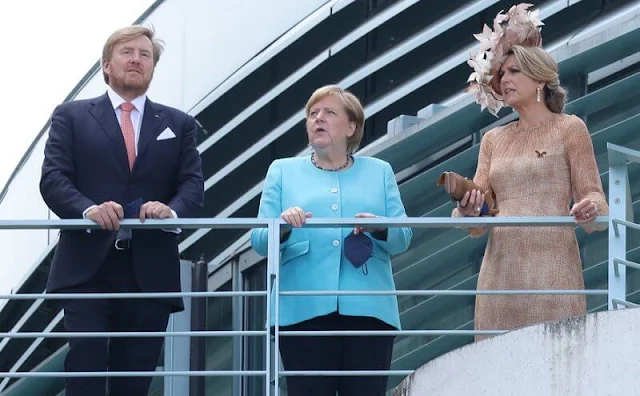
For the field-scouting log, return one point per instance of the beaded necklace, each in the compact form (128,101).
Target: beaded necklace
(313,161)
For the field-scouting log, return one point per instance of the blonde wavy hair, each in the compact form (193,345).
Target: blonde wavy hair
(537,64)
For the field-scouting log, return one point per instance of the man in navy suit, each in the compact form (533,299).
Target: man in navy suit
(115,156)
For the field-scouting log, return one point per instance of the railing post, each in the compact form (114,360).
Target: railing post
(273,266)
(237,314)
(176,349)
(271,250)
(619,203)
(198,323)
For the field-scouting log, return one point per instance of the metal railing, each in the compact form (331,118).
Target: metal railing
(621,218)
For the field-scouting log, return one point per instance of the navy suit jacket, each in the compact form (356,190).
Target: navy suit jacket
(86,163)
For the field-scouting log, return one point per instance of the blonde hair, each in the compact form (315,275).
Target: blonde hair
(537,64)
(127,34)
(352,106)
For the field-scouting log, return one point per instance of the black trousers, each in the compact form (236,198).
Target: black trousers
(337,353)
(115,315)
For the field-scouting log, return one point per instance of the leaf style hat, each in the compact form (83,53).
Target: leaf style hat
(518,26)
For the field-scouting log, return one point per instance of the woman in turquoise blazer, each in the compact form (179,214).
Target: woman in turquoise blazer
(333,183)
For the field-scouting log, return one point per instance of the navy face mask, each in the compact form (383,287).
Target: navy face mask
(358,248)
(132,209)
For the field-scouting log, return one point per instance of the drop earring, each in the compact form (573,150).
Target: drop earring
(538,94)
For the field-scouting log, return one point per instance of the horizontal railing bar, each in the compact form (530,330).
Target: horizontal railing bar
(439,292)
(186,223)
(627,263)
(448,222)
(141,334)
(240,223)
(391,332)
(93,296)
(619,154)
(248,333)
(76,374)
(627,224)
(624,303)
(346,373)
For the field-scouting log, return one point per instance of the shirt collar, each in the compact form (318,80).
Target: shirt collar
(116,100)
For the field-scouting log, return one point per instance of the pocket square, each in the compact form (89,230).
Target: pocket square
(166,134)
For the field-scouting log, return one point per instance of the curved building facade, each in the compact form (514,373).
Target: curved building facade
(244,69)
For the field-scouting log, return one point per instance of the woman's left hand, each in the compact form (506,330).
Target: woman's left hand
(584,211)
(357,230)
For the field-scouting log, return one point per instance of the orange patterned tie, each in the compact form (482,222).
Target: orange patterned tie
(127,131)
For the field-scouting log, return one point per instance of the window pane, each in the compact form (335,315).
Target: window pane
(219,350)
(255,319)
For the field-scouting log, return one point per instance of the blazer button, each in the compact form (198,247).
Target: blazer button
(334,206)
(336,243)
(334,190)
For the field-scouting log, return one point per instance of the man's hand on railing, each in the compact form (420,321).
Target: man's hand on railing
(155,210)
(107,215)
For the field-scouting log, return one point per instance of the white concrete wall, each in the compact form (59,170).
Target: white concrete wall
(21,248)
(206,42)
(596,355)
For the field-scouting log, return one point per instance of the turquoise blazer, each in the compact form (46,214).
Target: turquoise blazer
(312,258)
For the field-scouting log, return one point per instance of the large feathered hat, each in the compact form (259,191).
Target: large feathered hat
(518,26)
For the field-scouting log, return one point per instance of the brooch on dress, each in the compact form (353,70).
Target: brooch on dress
(541,154)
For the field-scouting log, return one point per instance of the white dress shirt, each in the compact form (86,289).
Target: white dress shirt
(136,114)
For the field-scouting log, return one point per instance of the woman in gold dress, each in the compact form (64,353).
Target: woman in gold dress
(535,166)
